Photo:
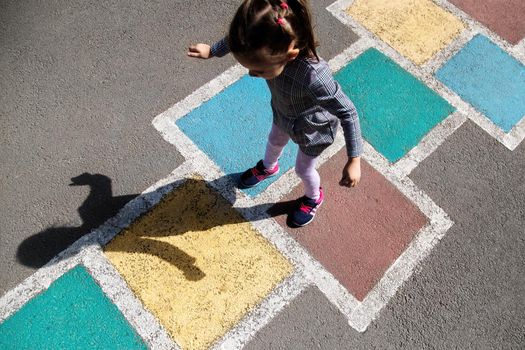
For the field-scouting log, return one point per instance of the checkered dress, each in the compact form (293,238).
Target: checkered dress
(307,104)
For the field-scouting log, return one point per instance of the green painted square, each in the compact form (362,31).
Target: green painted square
(73,313)
(395,109)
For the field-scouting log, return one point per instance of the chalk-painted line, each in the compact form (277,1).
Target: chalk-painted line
(116,289)
(443,56)
(428,144)
(426,73)
(199,96)
(511,140)
(514,137)
(482,29)
(259,317)
(87,251)
(90,244)
(519,49)
(366,311)
(36,283)
(404,265)
(254,210)
(435,137)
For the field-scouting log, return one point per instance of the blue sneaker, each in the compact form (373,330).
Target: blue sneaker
(258,173)
(306,212)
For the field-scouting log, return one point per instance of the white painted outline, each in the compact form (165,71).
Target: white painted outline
(359,314)
(426,72)
(257,318)
(519,50)
(116,289)
(88,252)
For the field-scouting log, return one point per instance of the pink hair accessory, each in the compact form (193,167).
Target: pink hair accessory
(280,21)
(284,5)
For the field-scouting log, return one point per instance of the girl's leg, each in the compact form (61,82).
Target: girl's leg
(274,148)
(305,169)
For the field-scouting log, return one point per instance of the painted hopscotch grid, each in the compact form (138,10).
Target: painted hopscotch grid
(512,139)
(87,249)
(74,300)
(359,314)
(426,73)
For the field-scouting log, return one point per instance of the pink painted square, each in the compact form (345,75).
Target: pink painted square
(357,233)
(504,17)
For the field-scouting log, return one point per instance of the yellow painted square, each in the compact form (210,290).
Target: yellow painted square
(416,28)
(196,264)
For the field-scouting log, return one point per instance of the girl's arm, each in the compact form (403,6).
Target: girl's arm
(219,49)
(329,95)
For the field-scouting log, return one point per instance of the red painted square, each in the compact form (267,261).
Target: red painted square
(505,17)
(357,233)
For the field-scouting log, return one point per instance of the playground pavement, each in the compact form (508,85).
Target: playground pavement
(122,226)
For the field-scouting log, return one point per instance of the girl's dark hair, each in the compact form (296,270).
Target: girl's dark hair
(273,24)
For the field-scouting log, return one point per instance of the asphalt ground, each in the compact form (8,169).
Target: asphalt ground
(81,84)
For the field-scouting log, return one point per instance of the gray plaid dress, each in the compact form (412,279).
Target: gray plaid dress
(307,104)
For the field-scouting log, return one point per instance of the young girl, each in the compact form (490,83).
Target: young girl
(274,40)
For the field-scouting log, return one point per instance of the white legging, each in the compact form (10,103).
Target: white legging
(304,164)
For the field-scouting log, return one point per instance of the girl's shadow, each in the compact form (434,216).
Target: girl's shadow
(99,206)
(193,207)
(201,211)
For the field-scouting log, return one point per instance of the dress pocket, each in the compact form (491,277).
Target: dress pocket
(313,132)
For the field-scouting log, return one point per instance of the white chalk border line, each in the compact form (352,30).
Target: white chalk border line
(426,72)
(88,252)
(359,314)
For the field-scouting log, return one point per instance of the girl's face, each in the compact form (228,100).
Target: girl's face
(266,66)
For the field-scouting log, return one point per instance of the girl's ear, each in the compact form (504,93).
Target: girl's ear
(292,54)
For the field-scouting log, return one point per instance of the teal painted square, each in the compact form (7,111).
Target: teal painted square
(232,129)
(395,109)
(73,313)
(489,79)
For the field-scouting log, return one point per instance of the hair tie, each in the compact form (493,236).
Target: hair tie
(284,5)
(280,21)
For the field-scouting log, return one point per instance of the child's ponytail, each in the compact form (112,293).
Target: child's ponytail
(304,27)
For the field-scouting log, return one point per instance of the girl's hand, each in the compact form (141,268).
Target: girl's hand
(351,173)
(199,51)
